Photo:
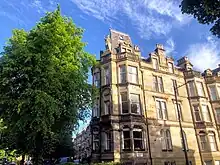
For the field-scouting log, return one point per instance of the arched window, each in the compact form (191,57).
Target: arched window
(212,141)
(203,141)
(166,140)
(184,141)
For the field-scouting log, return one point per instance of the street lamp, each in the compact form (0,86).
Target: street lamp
(180,124)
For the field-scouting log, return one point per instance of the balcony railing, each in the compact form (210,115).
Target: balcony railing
(203,124)
(126,55)
(192,73)
(212,79)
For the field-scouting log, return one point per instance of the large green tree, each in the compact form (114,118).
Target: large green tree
(43,84)
(205,11)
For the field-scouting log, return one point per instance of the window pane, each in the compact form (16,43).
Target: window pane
(127,141)
(164,109)
(184,141)
(208,162)
(213,93)
(180,111)
(217,162)
(197,113)
(160,84)
(155,85)
(191,88)
(212,142)
(135,103)
(132,74)
(122,74)
(206,115)
(159,110)
(124,103)
(97,79)
(203,141)
(138,145)
(218,115)
(174,83)
(169,141)
(170,66)
(137,134)
(200,89)
(163,140)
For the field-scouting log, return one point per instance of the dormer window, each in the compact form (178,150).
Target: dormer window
(155,63)
(170,67)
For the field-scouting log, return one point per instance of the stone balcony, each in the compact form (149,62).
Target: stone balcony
(192,73)
(212,79)
(203,125)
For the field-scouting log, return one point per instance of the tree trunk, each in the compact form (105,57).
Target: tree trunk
(22,160)
(37,159)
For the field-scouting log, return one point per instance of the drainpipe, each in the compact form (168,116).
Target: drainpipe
(145,109)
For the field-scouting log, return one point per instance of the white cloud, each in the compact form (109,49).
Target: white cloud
(204,55)
(150,17)
(170,46)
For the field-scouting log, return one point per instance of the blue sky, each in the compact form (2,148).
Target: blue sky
(147,22)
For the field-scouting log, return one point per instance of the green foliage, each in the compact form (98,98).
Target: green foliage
(205,11)
(69,163)
(43,84)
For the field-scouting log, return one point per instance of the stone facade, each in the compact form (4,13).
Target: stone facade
(135,118)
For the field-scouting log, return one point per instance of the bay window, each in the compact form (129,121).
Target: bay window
(178,110)
(212,141)
(197,113)
(132,74)
(203,141)
(205,113)
(191,87)
(122,78)
(126,139)
(217,112)
(213,93)
(107,75)
(135,103)
(124,102)
(200,89)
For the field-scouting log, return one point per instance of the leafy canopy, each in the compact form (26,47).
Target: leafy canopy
(205,11)
(43,84)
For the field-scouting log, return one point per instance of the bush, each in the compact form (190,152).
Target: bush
(69,163)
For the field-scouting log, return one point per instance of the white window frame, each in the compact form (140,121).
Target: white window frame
(196,110)
(133,74)
(206,113)
(127,102)
(170,67)
(212,141)
(140,139)
(192,88)
(161,113)
(123,139)
(203,142)
(217,113)
(107,75)
(158,84)
(200,88)
(97,79)
(180,111)
(123,73)
(135,102)
(213,90)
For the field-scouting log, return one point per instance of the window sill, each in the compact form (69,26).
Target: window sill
(165,150)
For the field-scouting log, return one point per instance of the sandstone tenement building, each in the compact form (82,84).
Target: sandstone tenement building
(135,118)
